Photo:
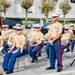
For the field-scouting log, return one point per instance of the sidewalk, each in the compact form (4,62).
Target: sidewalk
(39,67)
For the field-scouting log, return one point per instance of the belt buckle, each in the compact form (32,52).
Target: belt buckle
(52,38)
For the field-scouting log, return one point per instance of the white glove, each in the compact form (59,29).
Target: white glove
(10,43)
(1,48)
(21,50)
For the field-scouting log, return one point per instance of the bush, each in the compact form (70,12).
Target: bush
(33,19)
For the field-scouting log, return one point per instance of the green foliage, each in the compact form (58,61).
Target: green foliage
(47,6)
(4,5)
(33,19)
(65,7)
(26,4)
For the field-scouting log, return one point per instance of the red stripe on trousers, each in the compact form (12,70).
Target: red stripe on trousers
(60,59)
(64,48)
(37,50)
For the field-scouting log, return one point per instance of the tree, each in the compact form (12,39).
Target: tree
(65,7)
(4,6)
(47,6)
(26,4)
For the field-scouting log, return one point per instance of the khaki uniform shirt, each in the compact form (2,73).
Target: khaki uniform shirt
(11,37)
(20,40)
(46,37)
(31,37)
(65,38)
(39,37)
(55,29)
(25,32)
(72,35)
(1,40)
(5,34)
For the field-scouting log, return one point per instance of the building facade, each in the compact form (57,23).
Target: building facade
(34,12)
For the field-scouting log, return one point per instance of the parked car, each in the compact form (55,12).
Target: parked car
(44,28)
(11,22)
(29,26)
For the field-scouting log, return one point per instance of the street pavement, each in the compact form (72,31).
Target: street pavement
(39,67)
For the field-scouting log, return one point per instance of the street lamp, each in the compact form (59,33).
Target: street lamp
(41,21)
(57,6)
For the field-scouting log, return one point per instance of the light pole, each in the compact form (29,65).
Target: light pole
(41,21)
(57,7)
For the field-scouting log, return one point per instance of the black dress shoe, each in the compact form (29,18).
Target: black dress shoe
(72,51)
(47,57)
(36,58)
(58,70)
(5,69)
(39,55)
(67,50)
(32,61)
(9,72)
(49,68)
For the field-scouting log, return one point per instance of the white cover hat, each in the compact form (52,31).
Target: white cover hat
(5,26)
(55,14)
(34,25)
(37,25)
(18,25)
(21,27)
(66,28)
(71,24)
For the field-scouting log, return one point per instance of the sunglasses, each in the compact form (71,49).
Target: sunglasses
(18,29)
(54,17)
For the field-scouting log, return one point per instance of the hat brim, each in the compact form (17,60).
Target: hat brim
(66,29)
(72,26)
(19,29)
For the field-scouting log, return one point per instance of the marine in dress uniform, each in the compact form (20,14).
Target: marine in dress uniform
(65,40)
(37,44)
(5,33)
(72,36)
(17,50)
(30,37)
(55,43)
(10,40)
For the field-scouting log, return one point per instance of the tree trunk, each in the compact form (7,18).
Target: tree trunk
(4,15)
(46,18)
(64,19)
(26,15)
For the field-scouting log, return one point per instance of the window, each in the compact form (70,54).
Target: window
(17,7)
(72,1)
(31,9)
